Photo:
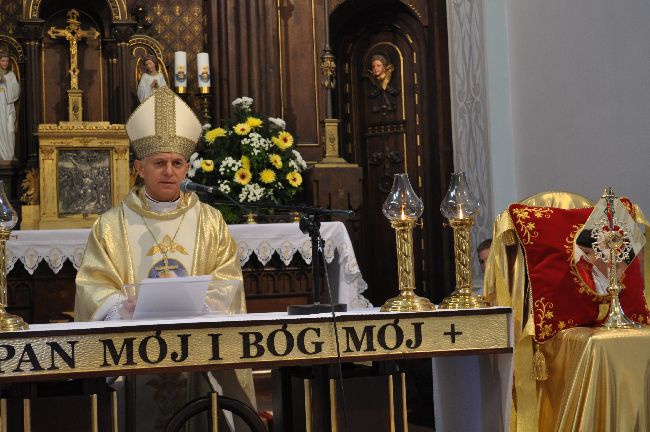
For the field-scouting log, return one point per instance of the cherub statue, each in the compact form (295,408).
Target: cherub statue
(379,74)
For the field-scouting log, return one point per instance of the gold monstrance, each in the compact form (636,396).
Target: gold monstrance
(403,208)
(613,245)
(73,33)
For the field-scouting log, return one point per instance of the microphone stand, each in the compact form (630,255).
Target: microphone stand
(309,224)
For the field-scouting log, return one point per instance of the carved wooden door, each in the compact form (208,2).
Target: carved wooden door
(382,131)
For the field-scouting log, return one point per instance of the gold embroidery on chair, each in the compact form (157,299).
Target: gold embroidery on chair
(544,322)
(526,226)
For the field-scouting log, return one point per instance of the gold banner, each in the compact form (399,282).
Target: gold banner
(68,353)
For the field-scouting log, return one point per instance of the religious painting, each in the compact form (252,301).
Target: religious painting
(83,181)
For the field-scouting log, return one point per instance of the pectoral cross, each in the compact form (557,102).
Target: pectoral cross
(73,33)
(164,269)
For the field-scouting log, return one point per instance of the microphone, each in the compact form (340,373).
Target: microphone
(188,185)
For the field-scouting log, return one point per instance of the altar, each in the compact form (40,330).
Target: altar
(92,349)
(259,246)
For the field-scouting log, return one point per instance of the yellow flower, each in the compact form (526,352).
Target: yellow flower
(207,165)
(242,128)
(284,140)
(267,176)
(212,135)
(253,122)
(295,179)
(276,160)
(245,162)
(243,176)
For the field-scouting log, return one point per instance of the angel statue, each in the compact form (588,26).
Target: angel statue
(379,74)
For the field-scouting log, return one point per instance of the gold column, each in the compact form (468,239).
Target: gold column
(460,207)
(407,300)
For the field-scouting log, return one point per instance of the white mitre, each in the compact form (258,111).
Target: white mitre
(163,123)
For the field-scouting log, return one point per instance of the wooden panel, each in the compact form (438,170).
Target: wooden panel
(388,128)
(9,15)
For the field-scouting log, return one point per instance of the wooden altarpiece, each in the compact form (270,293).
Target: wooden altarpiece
(84,166)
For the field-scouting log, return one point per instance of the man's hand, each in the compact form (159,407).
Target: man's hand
(127,307)
(130,296)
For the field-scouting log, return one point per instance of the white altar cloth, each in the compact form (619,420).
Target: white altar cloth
(263,240)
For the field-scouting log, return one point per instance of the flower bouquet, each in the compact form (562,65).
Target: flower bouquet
(249,158)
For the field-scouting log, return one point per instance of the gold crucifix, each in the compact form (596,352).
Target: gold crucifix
(73,33)
(164,270)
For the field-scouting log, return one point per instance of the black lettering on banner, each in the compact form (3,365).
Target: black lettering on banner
(160,344)
(68,359)
(247,344)
(318,345)
(126,349)
(399,335)
(10,352)
(351,336)
(185,342)
(31,359)
(415,343)
(452,333)
(216,355)
(288,341)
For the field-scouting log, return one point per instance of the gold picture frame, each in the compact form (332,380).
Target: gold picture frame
(84,171)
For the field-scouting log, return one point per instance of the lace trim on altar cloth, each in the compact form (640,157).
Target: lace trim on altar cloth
(55,257)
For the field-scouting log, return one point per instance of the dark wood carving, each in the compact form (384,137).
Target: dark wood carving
(387,119)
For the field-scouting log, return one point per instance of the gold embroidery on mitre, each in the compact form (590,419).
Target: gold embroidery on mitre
(527,227)
(166,246)
(165,138)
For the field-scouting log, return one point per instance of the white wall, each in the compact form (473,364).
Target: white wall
(576,112)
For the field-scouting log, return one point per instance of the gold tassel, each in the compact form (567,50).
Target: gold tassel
(541,371)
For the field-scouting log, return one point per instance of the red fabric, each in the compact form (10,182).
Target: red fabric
(560,297)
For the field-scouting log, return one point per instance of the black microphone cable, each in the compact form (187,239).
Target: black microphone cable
(336,333)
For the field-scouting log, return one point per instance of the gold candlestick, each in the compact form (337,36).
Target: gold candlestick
(461,208)
(8,219)
(403,208)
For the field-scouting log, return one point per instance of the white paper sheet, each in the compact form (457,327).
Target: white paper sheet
(172,297)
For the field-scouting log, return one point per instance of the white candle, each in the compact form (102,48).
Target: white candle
(203,69)
(180,69)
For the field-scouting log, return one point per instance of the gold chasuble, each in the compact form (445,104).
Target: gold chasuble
(130,242)
(121,250)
